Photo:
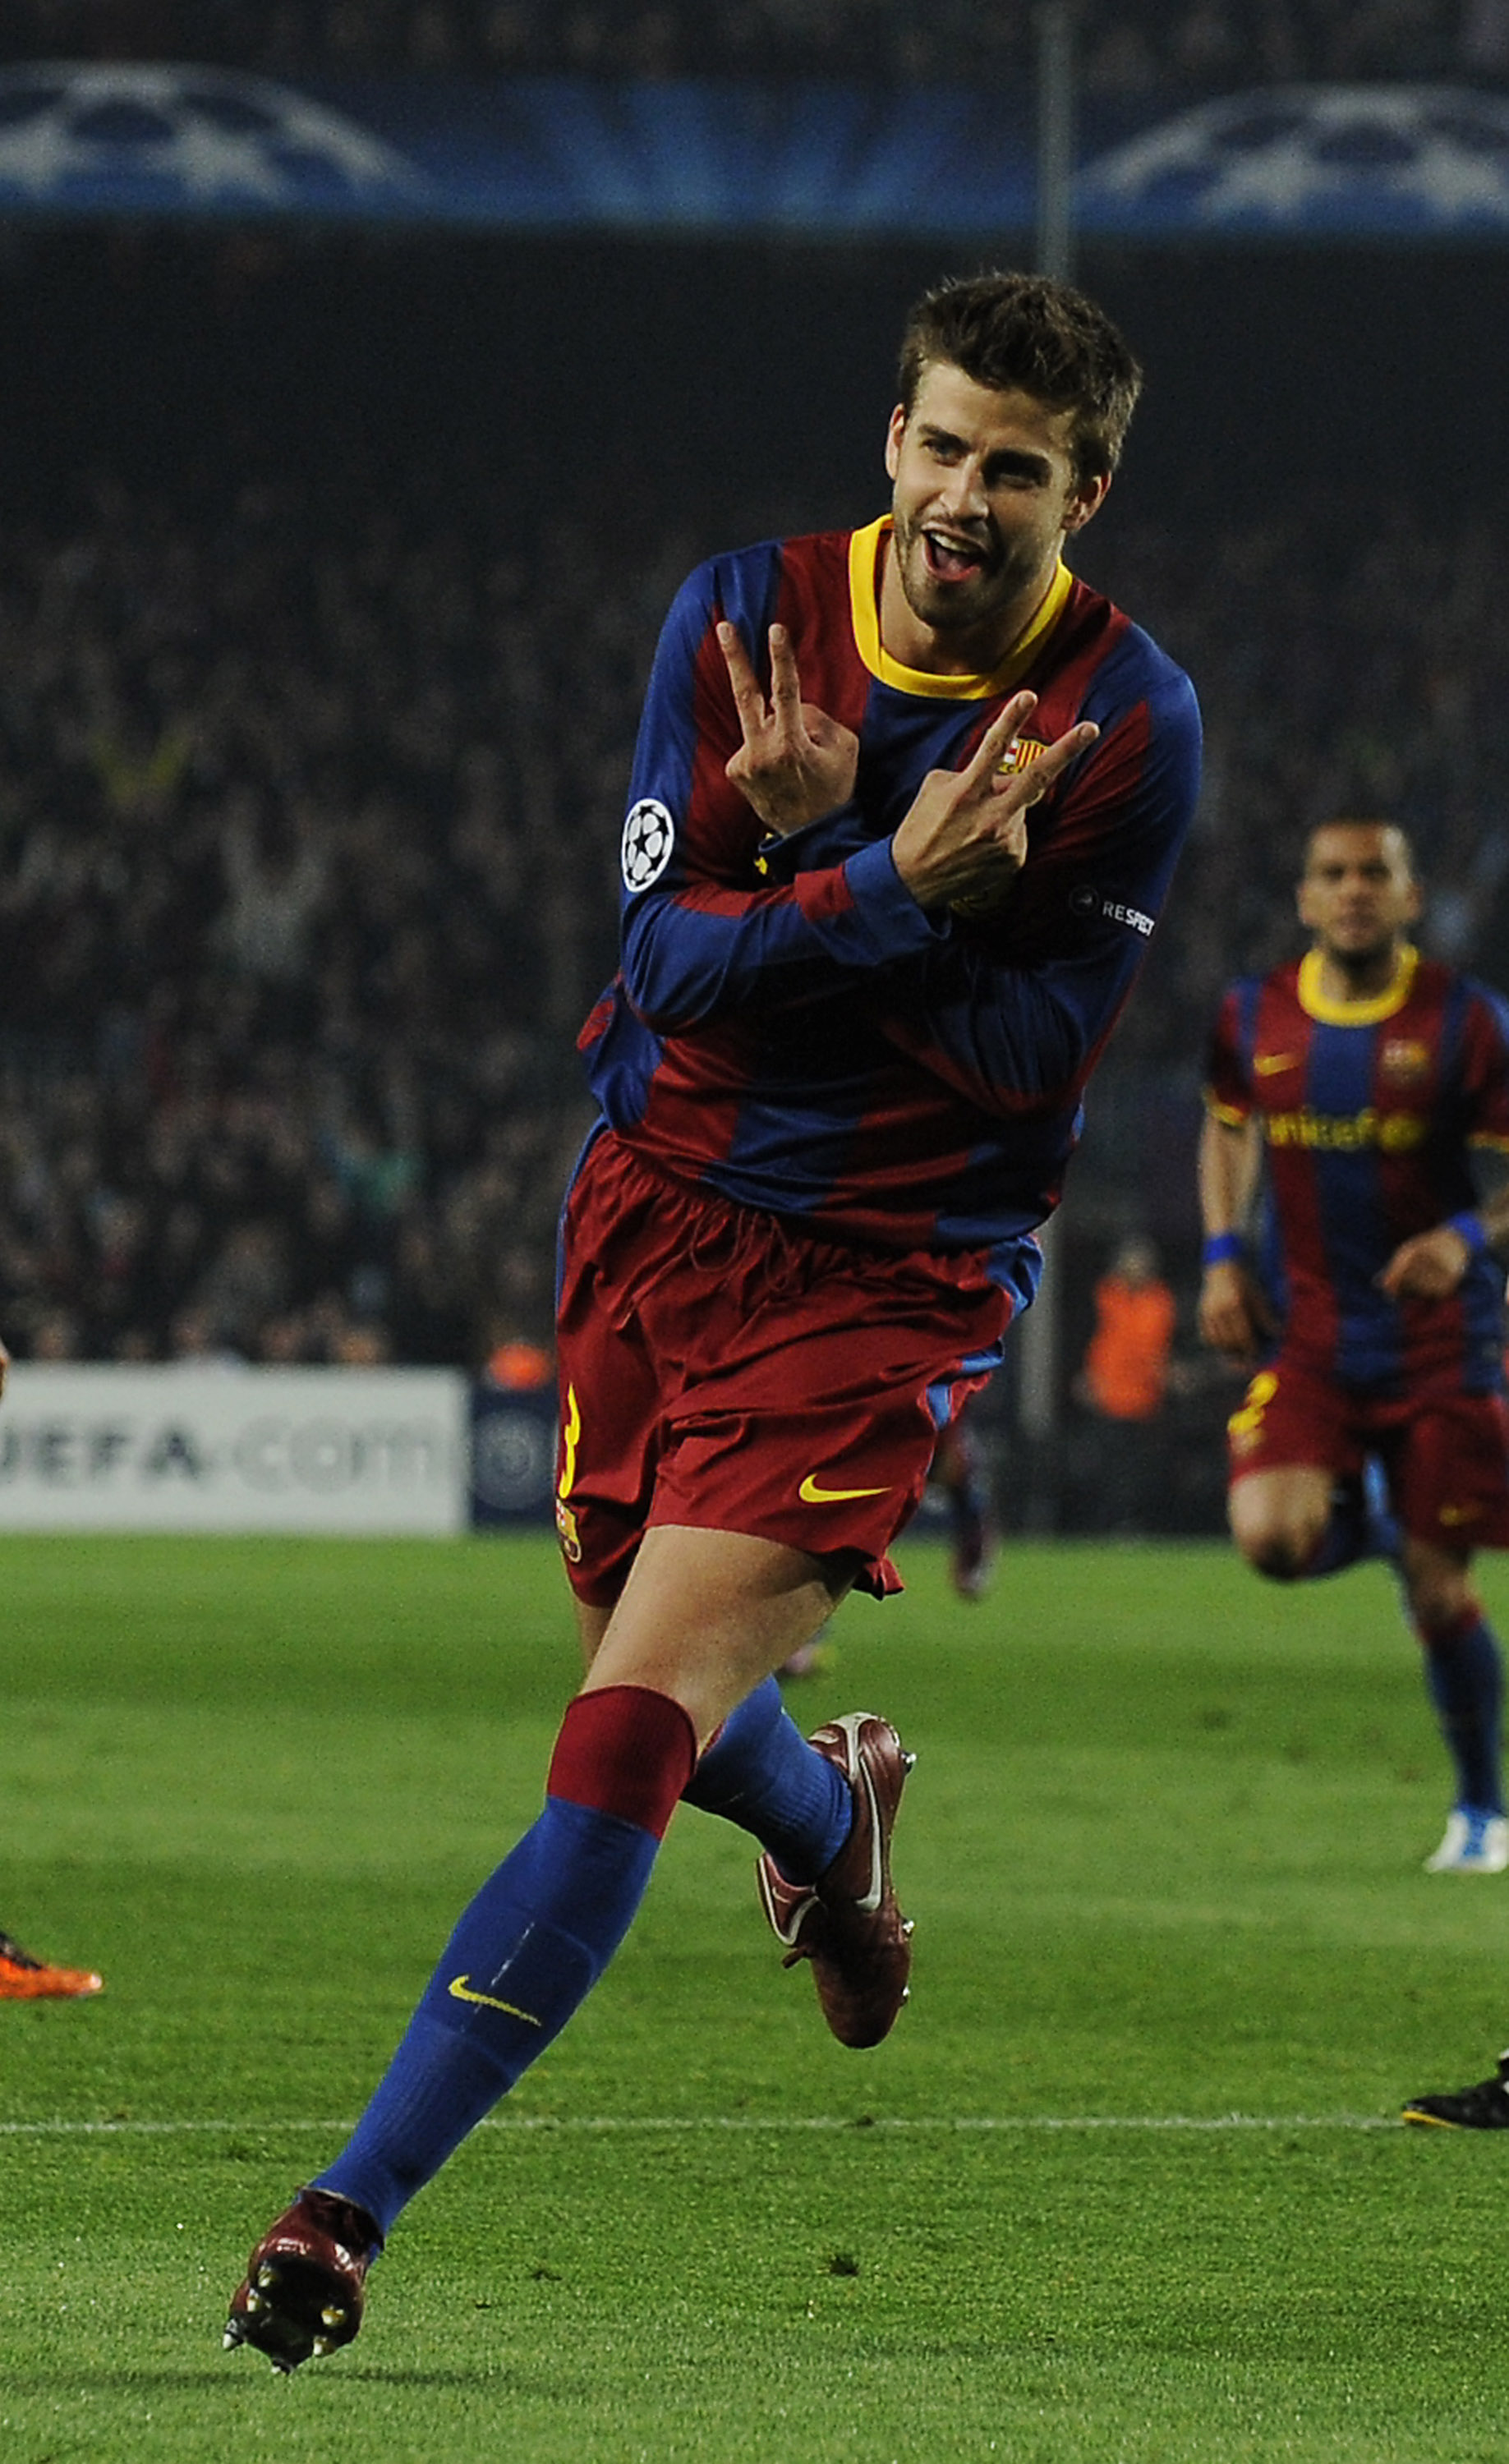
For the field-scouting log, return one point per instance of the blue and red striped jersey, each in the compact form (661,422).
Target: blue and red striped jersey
(1368,1113)
(787,1026)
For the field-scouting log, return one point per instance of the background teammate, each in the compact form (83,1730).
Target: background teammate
(904,805)
(1357,1081)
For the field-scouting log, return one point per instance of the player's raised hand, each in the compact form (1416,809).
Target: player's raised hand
(967,829)
(795,763)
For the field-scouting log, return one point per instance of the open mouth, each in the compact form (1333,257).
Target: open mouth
(951,559)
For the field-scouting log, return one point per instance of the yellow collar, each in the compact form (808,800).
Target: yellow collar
(864,596)
(1363,1013)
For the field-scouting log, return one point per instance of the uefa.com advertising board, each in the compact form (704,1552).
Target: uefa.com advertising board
(206,1447)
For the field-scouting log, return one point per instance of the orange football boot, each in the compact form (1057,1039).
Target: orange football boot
(25,1979)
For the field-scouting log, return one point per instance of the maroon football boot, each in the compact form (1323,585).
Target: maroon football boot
(305,2284)
(847,1923)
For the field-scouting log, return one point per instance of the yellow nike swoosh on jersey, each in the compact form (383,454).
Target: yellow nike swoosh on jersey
(1460,1513)
(1268,1064)
(812,1495)
(461,1992)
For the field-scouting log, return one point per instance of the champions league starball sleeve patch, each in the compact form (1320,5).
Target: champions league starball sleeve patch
(649,836)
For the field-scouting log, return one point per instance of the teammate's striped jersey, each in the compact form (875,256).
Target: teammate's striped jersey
(788,1025)
(1369,1111)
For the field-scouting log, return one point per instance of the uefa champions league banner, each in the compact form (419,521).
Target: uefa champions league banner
(211,1448)
(740,157)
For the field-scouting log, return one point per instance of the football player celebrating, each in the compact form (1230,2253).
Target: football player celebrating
(1357,1081)
(904,805)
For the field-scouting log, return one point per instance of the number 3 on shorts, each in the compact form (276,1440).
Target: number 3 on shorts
(1259,1395)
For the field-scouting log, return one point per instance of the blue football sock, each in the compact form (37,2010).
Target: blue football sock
(1464,1672)
(1362,1524)
(1384,1538)
(763,1775)
(526,1951)
(1343,1542)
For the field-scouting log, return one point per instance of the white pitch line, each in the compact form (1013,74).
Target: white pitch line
(646,2126)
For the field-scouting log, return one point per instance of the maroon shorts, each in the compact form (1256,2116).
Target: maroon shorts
(1446,1453)
(723,1369)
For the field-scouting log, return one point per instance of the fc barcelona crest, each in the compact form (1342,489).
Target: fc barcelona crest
(1021,753)
(1403,1060)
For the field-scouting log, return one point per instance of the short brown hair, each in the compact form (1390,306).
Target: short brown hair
(1026,331)
(1361,821)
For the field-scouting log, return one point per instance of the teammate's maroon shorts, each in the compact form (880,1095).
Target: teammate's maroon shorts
(722,1369)
(1446,1453)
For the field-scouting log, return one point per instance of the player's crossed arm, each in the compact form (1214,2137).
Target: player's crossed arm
(967,829)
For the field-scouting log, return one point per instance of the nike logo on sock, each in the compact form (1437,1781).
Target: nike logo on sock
(461,1992)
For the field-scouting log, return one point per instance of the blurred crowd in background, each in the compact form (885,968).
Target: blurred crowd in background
(1127,47)
(307,842)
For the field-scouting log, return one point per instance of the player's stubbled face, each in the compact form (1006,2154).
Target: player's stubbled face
(1358,894)
(982,491)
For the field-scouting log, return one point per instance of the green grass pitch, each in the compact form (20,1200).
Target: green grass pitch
(1123,2186)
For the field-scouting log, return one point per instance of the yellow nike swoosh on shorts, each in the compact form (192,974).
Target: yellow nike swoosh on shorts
(812,1495)
(1268,1064)
(461,1992)
(1460,1513)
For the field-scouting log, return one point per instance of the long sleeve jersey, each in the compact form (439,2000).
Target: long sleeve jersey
(1368,1113)
(788,1026)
